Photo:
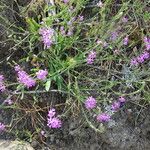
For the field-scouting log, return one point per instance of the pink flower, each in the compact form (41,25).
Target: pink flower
(2,84)
(115,106)
(140,59)
(54,122)
(145,55)
(114,36)
(1,78)
(134,62)
(47,35)
(122,99)
(90,103)
(17,68)
(8,101)
(103,117)
(125,40)
(51,112)
(2,127)
(91,57)
(25,79)
(41,74)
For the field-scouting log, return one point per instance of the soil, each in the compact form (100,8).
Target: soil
(128,130)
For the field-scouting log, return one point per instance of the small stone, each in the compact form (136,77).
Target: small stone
(13,145)
(34,144)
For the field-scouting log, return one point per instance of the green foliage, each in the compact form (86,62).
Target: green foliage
(111,74)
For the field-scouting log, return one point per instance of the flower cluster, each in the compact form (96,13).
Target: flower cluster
(8,101)
(2,127)
(147,43)
(47,36)
(126,40)
(118,104)
(114,36)
(2,85)
(91,57)
(140,59)
(41,74)
(24,78)
(103,117)
(90,103)
(52,120)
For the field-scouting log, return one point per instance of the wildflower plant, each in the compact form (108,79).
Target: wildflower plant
(80,56)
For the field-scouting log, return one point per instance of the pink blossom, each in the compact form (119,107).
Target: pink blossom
(114,36)
(121,99)
(47,35)
(54,122)
(125,40)
(103,117)
(2,127)
(145,55)
(8,101)
(134,62)
(91,57)
(41,74)
(115,106)
(25,79)
(51,112)
(1,78)
(140,59)
(2,84)
(17,68)
(90,103)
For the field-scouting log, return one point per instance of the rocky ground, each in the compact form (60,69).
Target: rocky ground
(129,129)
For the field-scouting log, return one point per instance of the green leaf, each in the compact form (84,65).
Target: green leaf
(48,85)
(33,25)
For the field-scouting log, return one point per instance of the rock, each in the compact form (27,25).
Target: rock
(13,145)
(34,144)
